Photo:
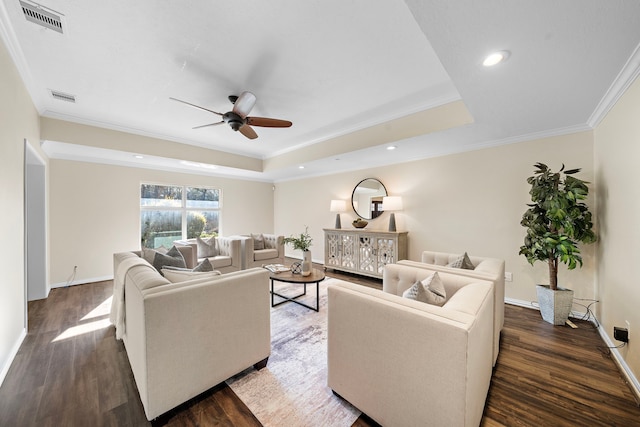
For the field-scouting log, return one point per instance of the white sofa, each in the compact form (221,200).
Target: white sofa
(408,363)
(273,252)
(485,268)
(229,256)
(184,338)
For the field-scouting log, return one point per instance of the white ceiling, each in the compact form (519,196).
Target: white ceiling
(331,67)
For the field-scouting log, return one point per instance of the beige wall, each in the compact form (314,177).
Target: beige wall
(465,202)
(18,121)
(617,151)
(95,211)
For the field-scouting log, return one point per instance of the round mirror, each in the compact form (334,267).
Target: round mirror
(367,198)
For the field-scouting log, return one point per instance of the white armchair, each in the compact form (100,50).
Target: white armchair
(271,253)
(228,256)
(485,268)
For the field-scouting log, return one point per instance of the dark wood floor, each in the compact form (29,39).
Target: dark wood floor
(71,371)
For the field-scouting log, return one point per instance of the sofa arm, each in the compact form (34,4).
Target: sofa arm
(402,365)
(231,247)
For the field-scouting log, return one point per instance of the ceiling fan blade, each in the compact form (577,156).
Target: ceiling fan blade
(244,104)
(210,124)
(248,131)
(197,106)
(268,123)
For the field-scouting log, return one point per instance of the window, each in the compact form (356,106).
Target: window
(169,213)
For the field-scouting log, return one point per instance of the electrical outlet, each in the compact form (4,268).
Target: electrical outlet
(628,328)
(508,276)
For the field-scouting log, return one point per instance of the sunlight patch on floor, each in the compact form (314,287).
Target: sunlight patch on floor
(101,310)
(83,329)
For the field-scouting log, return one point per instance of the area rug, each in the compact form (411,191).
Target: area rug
(292,390)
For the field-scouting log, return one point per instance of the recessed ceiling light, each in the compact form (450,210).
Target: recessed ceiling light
(495,58)
(138,156)
(301,167)
(391,147)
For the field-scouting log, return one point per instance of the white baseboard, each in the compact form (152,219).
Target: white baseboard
(626,372)
(12,355)
(81,282)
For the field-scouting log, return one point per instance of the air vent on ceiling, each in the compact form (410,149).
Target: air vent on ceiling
(63,96)
(36,14)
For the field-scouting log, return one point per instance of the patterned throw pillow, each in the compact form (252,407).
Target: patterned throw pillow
(462,262)
(172,258)
(149,254)
(258,241)
(430,290)
(207,248)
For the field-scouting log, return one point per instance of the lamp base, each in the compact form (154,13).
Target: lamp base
(392,222)
(338,225)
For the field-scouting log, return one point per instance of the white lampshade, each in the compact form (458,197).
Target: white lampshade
(338,206)
(392,203)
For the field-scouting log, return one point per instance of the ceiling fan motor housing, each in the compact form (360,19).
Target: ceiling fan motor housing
(233,119)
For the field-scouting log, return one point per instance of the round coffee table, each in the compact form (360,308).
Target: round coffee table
(316,277)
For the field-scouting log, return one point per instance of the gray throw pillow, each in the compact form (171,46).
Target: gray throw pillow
(258,241)
(207,248)
(149,254)
(172,258)
(430,290)
(462,262)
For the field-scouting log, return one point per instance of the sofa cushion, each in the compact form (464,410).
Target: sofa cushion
(265,254)
(258,241)
(176,276)
(206,248)
(462,262)
(430,290)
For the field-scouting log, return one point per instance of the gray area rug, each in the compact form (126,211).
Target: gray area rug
(292,390)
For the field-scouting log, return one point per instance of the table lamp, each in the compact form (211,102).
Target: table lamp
(391,204)
(338,206)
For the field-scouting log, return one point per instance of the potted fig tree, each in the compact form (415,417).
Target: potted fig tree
(557,221)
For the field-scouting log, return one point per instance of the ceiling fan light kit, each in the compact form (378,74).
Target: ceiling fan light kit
(238,118)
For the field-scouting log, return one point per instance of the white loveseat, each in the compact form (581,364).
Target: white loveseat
(228,259)
(184,338)
(485,268)
(408,363)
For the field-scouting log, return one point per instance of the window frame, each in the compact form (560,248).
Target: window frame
(183,209)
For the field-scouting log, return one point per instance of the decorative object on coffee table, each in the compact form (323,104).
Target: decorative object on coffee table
(557,221)
(296,268)
(302,242)
(359,223)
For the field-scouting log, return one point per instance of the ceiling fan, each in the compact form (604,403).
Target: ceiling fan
(238,117)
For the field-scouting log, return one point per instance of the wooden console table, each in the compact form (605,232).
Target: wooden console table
(364,252)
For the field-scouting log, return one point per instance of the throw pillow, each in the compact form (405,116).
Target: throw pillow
(149,254)
(176,276)
(462,262)
(173,257)
(430,290)
(258,241)
(207,248)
